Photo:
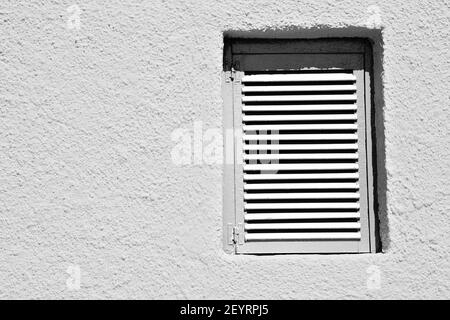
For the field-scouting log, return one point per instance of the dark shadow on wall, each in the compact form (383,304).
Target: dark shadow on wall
(379,156)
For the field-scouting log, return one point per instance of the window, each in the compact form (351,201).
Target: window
(301,179)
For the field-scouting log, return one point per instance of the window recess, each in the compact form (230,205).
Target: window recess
(301,179)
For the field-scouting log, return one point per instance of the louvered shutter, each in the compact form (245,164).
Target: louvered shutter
(300,172)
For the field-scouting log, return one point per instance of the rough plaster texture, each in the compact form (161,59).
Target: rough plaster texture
(86,176)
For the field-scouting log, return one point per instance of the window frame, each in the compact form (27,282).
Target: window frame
(239,56)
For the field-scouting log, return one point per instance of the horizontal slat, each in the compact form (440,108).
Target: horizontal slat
(337,146)
(312,205)
(302,166)
(300,117)
(275,127)
(353,175)
(311,107)
(301,215)
(323,185)
(269,88)
(299,77)
(302,236)
(306,225)
(318,136)
(316,97)
(300,156)
(307,195)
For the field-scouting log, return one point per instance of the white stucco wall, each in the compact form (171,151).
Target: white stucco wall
(86,177)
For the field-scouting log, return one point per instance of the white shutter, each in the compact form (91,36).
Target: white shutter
(305,137)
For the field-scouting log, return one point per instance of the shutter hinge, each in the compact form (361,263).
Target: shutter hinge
(232,76)
(236,235)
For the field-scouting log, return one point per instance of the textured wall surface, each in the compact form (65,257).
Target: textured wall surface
(86,176)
